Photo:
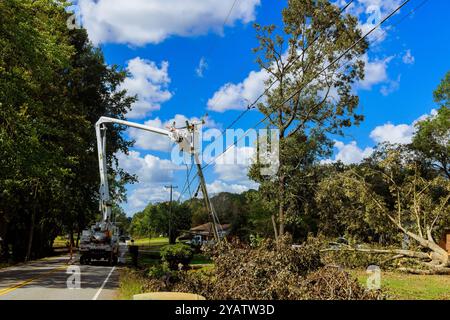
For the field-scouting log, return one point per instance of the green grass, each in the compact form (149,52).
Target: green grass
(151,242)
(200,259)
(60,242)
(400,286)
(131,283)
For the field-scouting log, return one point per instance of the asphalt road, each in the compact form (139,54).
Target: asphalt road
(48,279)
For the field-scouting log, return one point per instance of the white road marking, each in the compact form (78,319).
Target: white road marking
(103,285)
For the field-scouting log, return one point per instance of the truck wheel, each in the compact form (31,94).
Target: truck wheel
(82,260)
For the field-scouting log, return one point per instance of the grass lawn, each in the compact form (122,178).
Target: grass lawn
(151,242)
(149,249)
(400,286)
(131,283)
(60,242)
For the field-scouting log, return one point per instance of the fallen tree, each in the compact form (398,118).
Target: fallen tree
(392,191)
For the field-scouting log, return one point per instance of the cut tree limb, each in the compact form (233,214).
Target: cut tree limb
(437,271)
(406,253)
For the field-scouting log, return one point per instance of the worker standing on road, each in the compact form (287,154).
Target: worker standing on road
(134,252)
(69,247)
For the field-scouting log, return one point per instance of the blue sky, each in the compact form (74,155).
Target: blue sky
(162,43)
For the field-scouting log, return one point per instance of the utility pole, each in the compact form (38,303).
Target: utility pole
(171,187)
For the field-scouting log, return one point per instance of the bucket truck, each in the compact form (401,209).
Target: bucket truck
(101,240)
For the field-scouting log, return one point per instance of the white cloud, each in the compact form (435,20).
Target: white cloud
(139,22)
(148,168)
(390,87)
(408,58)
(234,164)
(237,96)
(150,141)
(370,13)
(149,82)
(233,96)
(388,132)
(220,186)
(375,72)
(401,133)
(147,193)
(349,153)
(202,66)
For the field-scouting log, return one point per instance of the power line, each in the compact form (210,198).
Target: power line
(187,183)
(288,66)
(313,78)
(171,187)
(250,106)
(297,58)
(227,17)
(332,63)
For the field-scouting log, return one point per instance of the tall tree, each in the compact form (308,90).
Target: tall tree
(155,220)
(313,96)
(432,138)
(35,51)
(54,85)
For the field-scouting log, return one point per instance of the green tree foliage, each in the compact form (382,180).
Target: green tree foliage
(245,212)
(442,93)
(53,87)
(432,138)
(174,254)
(119,216)
(155,220)
(298,56)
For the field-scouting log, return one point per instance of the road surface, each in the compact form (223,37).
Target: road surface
(47,279)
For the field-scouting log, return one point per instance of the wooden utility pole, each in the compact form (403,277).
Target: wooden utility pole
(171,187)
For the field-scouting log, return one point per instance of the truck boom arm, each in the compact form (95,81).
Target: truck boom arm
(105,199)
(183,137)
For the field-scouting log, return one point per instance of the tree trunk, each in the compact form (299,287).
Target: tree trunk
(398,252)
(275,231)
(437,253)
(71,238)
(281,207)
(437,271)
(78,238)
(31,234)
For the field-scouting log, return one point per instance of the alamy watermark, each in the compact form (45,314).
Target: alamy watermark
(74,279)
(373,281)
(74,20)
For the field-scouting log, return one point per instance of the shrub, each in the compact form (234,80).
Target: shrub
(272,270)
(333,283)
(176,254)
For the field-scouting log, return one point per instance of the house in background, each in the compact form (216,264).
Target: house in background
(204,233)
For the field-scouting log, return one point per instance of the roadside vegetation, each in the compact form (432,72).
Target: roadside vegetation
(54,86)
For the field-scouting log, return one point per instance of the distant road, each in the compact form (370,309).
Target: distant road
(46,279)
